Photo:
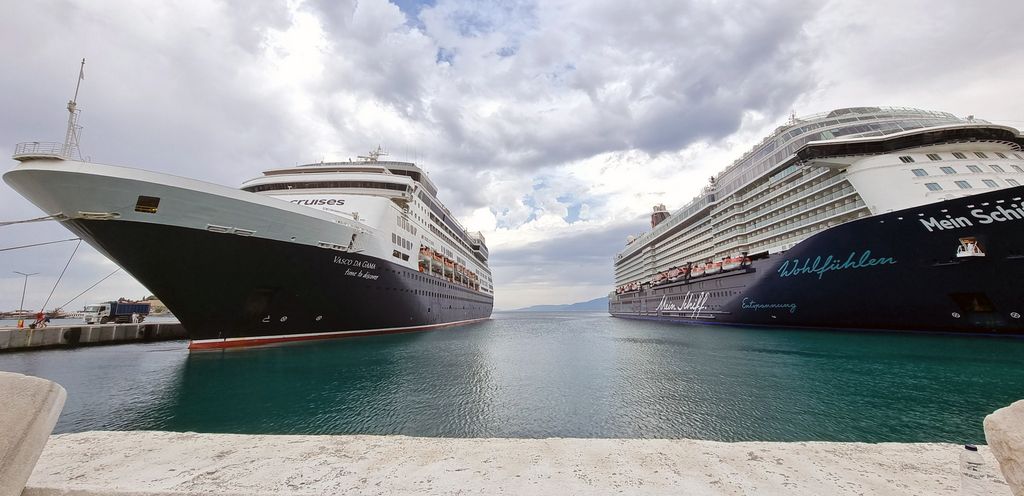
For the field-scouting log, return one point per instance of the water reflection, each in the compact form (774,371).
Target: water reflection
(543,375)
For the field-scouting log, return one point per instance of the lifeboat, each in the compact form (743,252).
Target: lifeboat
(713,268)
(732,263)
(677,274)
(425,257)
(658,279)
(697,271)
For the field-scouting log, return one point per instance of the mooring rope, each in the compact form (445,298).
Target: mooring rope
(47,302)
(90,287)
(56,216)
(40,244)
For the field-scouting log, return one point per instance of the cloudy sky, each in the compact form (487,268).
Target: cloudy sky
(551,126)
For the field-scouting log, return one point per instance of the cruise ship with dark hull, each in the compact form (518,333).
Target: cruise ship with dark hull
(914,223)
(315,251)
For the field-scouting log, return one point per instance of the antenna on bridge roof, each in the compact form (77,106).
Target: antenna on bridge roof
(374,155)
(71,137)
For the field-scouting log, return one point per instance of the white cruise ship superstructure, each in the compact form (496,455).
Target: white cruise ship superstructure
(833,207)
(314,251)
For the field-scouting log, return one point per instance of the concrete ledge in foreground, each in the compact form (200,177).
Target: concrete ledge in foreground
(163,463)
(29,407)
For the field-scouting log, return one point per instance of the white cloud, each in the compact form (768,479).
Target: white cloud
(550,126)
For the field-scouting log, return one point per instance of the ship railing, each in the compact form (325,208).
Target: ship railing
(826,215)
(780,211)
(779,218)
(760,203)
(40,149)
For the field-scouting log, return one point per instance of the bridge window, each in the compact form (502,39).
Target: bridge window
(327,185)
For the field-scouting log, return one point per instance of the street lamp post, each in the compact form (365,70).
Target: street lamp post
(21,307)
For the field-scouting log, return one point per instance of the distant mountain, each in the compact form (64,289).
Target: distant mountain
(595,305)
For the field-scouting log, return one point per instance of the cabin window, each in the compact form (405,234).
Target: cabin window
(1000,155)
(974,168)
(949,170)
(934,156)
(1013,182)
(997,168)
(1017,168)
(147,204)
(980,155)
(906,159)
(959,155)
(933,186)
(963,184)
(920,172)
(990,183)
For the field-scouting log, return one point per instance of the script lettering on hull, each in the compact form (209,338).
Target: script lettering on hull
(692,302)
(750,304)
(819,265)
(358,264)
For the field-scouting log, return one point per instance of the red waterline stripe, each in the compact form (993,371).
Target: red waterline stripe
(258,341)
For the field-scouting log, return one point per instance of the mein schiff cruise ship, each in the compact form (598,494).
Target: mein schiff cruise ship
(859,218)
(314,251)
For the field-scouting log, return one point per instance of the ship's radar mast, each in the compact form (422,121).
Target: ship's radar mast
(74,130)
(374,155)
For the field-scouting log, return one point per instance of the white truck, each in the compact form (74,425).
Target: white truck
(115,311)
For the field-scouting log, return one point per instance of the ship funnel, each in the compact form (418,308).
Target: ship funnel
(660,213)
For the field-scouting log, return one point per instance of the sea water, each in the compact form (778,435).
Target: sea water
(553,375)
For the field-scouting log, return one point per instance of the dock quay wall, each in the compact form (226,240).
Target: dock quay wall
(13,339)
(174,463)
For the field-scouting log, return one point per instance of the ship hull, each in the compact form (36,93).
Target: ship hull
(232,291)
(237,268)
(895,271)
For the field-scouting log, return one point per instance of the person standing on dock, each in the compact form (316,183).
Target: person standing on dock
(40,320)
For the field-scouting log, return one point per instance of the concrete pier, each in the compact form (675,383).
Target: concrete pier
(169,463)
(13,339)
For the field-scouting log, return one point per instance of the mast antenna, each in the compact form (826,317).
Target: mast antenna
(71,149)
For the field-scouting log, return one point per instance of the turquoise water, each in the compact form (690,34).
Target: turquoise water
(557,374)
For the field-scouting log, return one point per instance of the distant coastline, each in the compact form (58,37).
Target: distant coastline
(595,305)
